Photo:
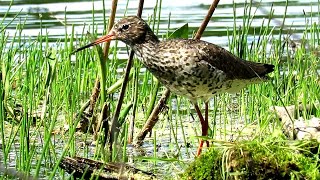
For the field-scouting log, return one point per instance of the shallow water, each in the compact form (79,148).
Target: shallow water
(58,17)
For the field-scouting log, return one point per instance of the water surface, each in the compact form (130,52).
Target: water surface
(58,17)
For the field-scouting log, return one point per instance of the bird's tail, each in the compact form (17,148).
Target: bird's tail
(261,69)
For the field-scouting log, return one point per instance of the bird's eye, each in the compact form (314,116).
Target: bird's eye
(125,27)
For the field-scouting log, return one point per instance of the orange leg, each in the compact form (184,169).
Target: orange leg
(207,119)
(204,125)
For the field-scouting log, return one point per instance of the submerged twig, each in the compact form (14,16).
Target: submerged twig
(153,118)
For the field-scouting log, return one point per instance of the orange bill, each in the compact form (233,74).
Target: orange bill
(105,38)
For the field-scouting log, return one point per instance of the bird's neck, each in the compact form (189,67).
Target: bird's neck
(147,53)
(151,37)
(148,39)
(146,46)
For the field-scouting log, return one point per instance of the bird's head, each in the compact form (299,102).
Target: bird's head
(130,30)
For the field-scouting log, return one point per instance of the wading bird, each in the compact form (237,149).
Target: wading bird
(195,69)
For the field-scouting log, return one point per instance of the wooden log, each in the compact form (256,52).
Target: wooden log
(86,168)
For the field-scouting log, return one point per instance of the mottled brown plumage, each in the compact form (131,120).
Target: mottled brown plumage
(191,68)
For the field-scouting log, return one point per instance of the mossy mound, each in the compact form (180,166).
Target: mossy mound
(258,160)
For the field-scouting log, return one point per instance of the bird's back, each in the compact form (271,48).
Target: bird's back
(234,67)
(198,69)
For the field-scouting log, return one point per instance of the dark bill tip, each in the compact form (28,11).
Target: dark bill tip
(83,47)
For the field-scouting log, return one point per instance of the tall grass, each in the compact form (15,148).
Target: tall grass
(43,87)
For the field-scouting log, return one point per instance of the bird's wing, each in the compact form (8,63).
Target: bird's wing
(220,58)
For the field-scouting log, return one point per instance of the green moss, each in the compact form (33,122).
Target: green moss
(204,166)
(256,160)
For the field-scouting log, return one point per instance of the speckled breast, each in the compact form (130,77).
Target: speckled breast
(184,75)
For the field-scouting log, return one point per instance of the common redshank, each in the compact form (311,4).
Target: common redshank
(191,68)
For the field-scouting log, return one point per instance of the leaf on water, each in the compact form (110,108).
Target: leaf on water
(181,32)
